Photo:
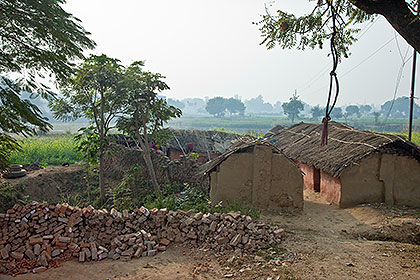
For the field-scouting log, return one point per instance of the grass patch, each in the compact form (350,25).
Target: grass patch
(46,150)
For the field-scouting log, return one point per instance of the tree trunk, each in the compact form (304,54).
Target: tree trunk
(398,14)
(101,151)
(146,151)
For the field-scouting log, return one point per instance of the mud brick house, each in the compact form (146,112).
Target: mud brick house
(356,166)
(206,143)
(254,172)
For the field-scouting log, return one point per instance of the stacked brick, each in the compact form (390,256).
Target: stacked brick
(35,237)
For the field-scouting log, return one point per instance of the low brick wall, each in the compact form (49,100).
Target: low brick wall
(35,237)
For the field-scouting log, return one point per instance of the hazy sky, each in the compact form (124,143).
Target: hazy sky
(211,48)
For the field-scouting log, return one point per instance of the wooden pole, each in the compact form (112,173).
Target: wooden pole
(413,83)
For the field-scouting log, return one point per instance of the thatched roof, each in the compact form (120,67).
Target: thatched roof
(346,145)
(241,145)
(204,140)
(275,130)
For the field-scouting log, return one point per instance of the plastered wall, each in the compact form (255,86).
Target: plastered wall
(258,178)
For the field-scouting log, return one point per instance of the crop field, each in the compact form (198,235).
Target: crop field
(46,150)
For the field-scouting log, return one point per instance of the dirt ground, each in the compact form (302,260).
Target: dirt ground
(322,242)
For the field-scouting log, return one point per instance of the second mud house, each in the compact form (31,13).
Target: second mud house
(356,166)
(254,172)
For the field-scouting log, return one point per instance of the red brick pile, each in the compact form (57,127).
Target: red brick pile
(36,237)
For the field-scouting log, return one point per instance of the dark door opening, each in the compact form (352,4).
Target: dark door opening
(317,180)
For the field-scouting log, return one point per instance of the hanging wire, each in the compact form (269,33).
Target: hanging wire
(333,76)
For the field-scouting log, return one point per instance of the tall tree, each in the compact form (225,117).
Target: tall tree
(293,107)
(235,106)
(311,30)
(93,92)
(365,109)
(37,39)
(376,115)
(216,106)
(337,113)
(352,110)
(257,105)
(317,112)
(399,108)
(145,113)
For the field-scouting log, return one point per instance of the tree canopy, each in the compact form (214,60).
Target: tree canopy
(39,38)
(317,112)
(293,107)
(93,92)
(216,106)
(309,31)
(144,112)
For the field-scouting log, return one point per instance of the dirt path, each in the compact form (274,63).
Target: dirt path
(175,263)
(322,243)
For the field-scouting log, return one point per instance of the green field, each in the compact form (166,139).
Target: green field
(46,150)
(56,149)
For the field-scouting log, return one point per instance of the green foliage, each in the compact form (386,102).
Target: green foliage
(353,110)
(93,92)
(39,37)
(8,145)
(45,150)
(337,113)
(312,30)
(293,107)
(144,113)
(16,116)
(235,106)
(87,144)
(95,83)
(317,112)
(217,106)
(36,38)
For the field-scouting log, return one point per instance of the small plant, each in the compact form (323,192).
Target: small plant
(194,155)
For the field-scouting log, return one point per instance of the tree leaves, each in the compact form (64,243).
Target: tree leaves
(39,37)
(311,30)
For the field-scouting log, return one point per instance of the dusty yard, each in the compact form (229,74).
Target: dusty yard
(322,242)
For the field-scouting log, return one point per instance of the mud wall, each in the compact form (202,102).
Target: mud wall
(258,178)
(330,188)
(232,181)
(361,184)
(401,179)
(286,184)
(310,176)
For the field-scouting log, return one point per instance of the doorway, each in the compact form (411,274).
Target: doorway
(317,180)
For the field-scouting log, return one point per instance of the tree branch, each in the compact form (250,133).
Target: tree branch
(398,14)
